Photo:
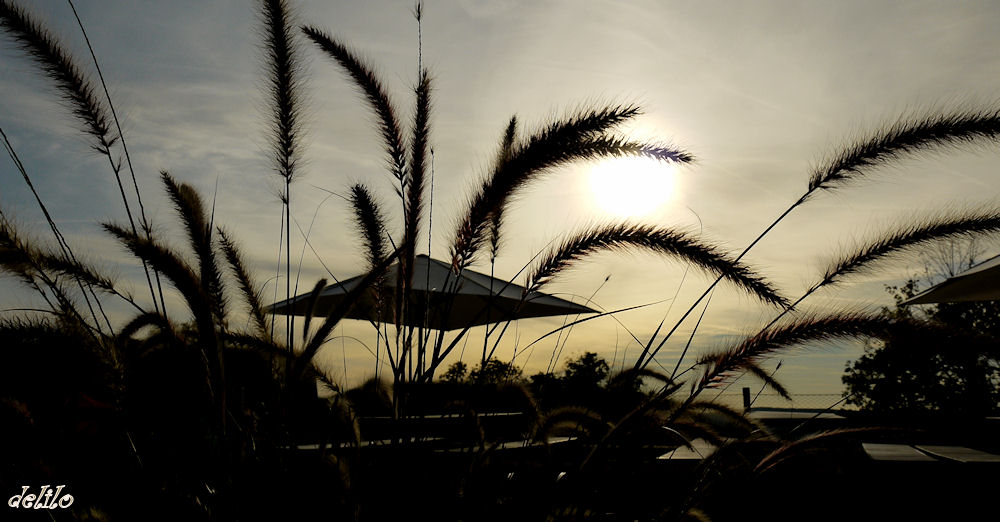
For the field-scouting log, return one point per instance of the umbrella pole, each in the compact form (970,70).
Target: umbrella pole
(378,342)
(486,333)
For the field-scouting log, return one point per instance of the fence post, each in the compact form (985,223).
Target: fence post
(746,397)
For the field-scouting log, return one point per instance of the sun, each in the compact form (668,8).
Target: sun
(632,187)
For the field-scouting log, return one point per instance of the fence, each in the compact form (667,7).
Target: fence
(803,401)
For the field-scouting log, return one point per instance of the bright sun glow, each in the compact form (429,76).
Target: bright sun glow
(632,187)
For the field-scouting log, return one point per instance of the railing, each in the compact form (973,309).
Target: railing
(806,401)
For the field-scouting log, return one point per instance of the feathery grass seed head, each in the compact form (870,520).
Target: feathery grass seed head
(906,136)
(660,240)
(912,233)
(578,138)
(58,64)
(283,85)
(372,87)
(370,223)
(722,363)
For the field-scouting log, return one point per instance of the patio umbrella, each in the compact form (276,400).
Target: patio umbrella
(454,301)
(979,283)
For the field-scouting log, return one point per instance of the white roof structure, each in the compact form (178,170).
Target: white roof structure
(454,301)
(979,283)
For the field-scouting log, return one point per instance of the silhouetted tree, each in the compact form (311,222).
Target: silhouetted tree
(494,371)
(911,373)
(586,372)
(581,383)
(456,373)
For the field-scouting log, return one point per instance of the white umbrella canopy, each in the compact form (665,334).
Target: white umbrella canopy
(454,301)
(979,283)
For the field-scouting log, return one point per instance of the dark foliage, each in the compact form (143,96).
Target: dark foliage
(912,374)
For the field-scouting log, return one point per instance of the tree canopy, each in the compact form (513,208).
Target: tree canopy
(957,374)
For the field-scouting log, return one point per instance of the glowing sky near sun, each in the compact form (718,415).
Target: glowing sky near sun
(632,188)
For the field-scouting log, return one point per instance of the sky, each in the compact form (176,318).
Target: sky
(759,92)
